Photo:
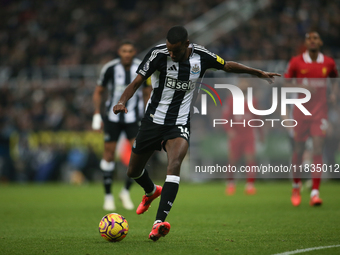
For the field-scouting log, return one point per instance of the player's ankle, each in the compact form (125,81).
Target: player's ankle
(124,190)
(315,192)
(157,221)
(296,185)
(152,192)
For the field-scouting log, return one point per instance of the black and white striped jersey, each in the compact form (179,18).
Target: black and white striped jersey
(174,83)
(116,78)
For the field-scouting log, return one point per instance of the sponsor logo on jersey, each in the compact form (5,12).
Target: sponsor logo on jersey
(219,60)
(146,66)
(172,68)
(179,85)
(324,71)
(304,71)
(195,69)
(142,72)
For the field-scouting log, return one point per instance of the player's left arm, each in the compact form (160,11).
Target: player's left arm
(216,62)
(233,67)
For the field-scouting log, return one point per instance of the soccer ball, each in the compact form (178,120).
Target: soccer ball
(113,227)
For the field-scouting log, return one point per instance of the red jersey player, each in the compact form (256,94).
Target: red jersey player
(311,64)
(241,140)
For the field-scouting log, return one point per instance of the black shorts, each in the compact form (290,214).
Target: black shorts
(112,130)
(152,136)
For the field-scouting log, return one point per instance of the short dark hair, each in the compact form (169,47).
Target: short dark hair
(177,34)
(129,42)
(312,31)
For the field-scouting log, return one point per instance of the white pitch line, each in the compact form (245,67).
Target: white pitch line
(308,249)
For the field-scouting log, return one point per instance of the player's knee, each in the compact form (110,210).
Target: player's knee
(133,172)
(130,173)
(108,158)
(109,155)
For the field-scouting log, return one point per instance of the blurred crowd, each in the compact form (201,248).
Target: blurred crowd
(55,106)
(278,31)
(67,33)
(63,105)
(71,33)
(40,33)
(61,32)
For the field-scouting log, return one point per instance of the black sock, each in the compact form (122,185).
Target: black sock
(145,182)
(108,177)
(128,183)
(168,196)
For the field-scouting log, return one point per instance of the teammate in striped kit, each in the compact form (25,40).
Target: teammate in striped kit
(115,76)
(174,68)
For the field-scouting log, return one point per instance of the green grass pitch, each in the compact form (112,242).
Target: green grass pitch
(63,219)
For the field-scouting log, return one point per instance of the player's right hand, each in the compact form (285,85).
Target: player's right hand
(119,108)
(97,121)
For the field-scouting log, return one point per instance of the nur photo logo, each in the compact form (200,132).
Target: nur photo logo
(240,98)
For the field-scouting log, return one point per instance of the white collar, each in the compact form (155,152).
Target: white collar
(307,58)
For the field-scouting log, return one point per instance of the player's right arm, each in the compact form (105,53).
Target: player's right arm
(105,77)
(127,94)
(97,100)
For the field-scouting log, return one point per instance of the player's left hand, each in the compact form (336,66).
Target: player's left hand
(268,76)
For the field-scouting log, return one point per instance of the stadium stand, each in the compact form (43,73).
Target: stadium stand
(277,31)
(40,33)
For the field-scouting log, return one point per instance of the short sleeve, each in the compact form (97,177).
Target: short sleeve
(106,74)
(149,63)
(217,62)
(291,69)
(147,83)
(212,61)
